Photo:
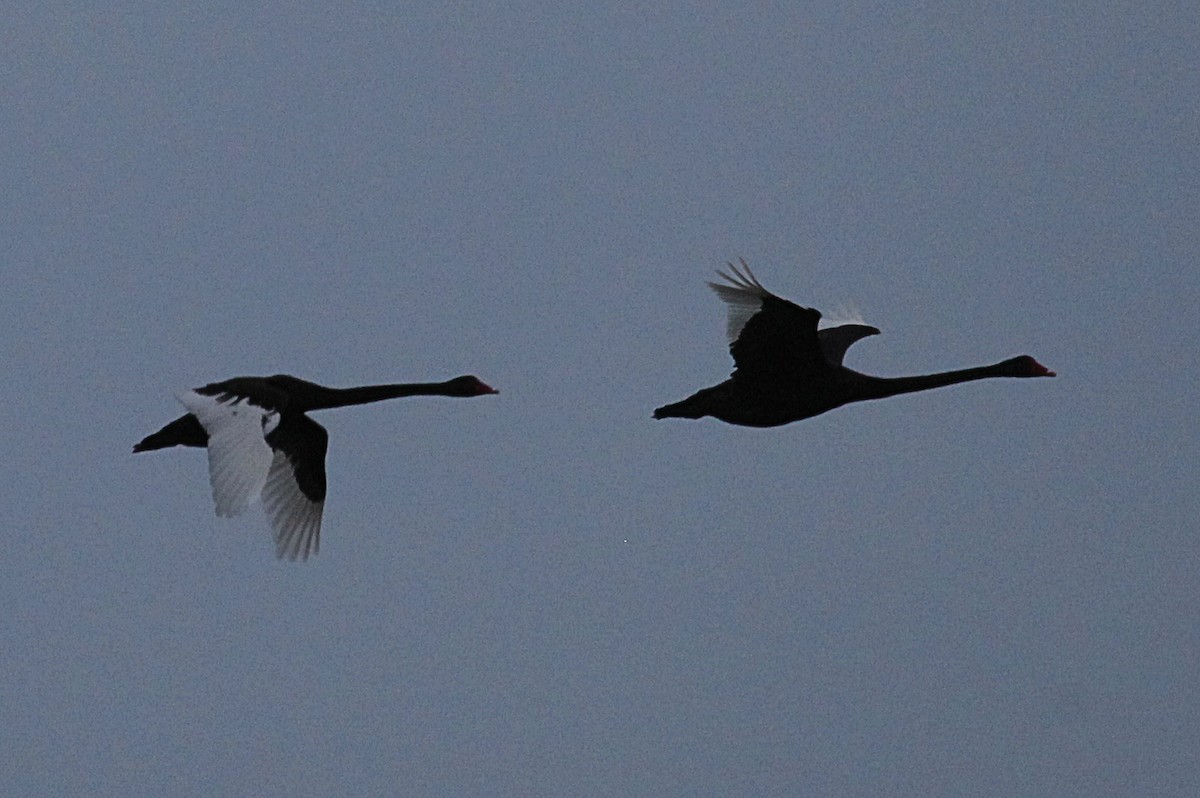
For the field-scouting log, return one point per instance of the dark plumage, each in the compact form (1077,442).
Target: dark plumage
(786,370)
(260,441)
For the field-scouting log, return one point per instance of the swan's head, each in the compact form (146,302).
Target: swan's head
(1025,366)
(468,385)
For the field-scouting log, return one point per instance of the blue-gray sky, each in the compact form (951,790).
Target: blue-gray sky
(986,590)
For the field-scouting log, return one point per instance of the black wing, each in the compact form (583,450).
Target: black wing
(836,340)
(772,339)
(294,496)
(258,391)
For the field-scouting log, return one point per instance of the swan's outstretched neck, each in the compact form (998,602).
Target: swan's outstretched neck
(343,397)
(881,387)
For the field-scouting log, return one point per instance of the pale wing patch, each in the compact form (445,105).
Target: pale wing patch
(295,518)
(238,456)
(744,295)
(843,313)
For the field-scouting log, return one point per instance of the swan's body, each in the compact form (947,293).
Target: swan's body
(260,442)
(787,370)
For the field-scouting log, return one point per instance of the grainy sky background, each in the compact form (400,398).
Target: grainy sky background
(986,590)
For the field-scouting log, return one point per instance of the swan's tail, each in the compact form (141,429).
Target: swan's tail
(183,431)
(685,409)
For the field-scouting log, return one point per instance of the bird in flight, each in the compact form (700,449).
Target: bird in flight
(260,442)
(785,369)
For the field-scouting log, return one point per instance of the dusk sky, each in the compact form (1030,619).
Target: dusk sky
(985,590)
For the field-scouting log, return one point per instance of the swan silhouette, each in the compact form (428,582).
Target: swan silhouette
(260,442)
(785,369)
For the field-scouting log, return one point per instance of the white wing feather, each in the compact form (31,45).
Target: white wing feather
(238,455)
(295,518)
(744,296)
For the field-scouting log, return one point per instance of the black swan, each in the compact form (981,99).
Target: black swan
(786,370)
(260,441)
